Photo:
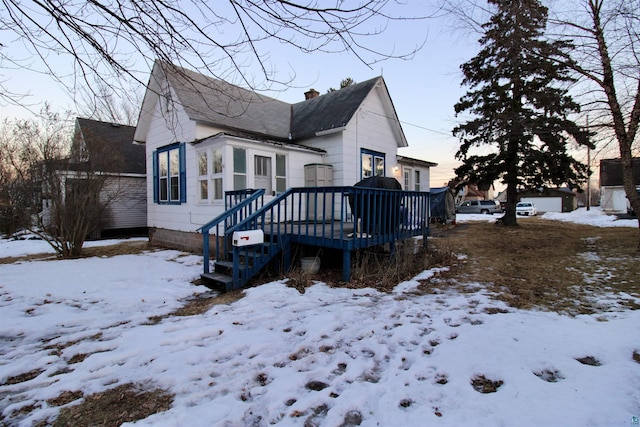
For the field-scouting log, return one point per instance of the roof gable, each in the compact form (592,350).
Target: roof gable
(109,147)
(330,111)
(216,102)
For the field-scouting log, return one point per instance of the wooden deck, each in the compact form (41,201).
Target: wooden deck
(344,218)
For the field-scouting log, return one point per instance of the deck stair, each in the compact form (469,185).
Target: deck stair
(238,205)
(344,218)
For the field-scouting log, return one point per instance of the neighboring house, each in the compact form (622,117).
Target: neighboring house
(413,174)
(108,149)
(550,199)
(475,192)
(612,195)
(205,137)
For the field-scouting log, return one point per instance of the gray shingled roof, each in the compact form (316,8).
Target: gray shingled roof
(217,102)
(415,162)
(115,139)
(329,111)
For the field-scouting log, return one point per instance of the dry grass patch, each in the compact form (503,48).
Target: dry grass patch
(121,248)
(25,258)
(549,375)
(589,360)
(372,268)
(484,385)
(135,247)
(541,263)
(24,377)
(122,404)
(56,349)
(65,397)
(200,303)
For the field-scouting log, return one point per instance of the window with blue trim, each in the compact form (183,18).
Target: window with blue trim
(372,162)
(169,174)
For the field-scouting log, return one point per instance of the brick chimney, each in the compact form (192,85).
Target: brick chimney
(311,93)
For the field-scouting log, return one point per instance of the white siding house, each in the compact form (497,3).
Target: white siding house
(108,149)
(612,195)
(413,174)
(204,137)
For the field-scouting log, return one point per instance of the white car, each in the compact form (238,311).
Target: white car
(526,208)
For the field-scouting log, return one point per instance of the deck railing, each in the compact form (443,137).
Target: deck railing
(367,212)
(346,218)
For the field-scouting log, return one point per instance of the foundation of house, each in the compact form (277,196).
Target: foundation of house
(180,240)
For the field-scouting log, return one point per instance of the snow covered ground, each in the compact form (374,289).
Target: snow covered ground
(328,357)
(594,217)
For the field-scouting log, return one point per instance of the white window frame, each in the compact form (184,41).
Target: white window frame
(240,174)
(203,176)
(281,180)
(217,182)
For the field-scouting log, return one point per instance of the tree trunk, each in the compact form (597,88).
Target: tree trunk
(509,217)
(628,180)
(625,134)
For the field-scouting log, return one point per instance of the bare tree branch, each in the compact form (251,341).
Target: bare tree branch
(607,57)
(53,187)
(110,40)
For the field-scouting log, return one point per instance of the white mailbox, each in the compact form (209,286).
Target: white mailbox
(248,237)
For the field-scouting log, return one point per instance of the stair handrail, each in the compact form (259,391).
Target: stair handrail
(253,197)
(238,276)
(260,211)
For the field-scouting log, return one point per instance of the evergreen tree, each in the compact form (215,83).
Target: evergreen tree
(519,107)
(343,83)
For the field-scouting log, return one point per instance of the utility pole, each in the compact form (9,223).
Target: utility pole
(589,179)
(588,172)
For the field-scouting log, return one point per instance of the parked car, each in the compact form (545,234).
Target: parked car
(479,206)
(526,208)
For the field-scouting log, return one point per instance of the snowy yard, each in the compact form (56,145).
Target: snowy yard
(328,357)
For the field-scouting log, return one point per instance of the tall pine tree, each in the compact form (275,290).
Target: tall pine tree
(519,107)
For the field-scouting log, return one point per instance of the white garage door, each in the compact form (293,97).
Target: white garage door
(545,204)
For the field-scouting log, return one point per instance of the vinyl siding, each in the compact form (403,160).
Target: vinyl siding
(194,213)
(128,202)
(168,128)
(369,129)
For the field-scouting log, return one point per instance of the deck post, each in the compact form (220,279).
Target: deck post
(236,274)
(346,265)
(205,250)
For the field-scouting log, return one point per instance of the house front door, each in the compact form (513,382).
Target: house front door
(407,180)
(263,175)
